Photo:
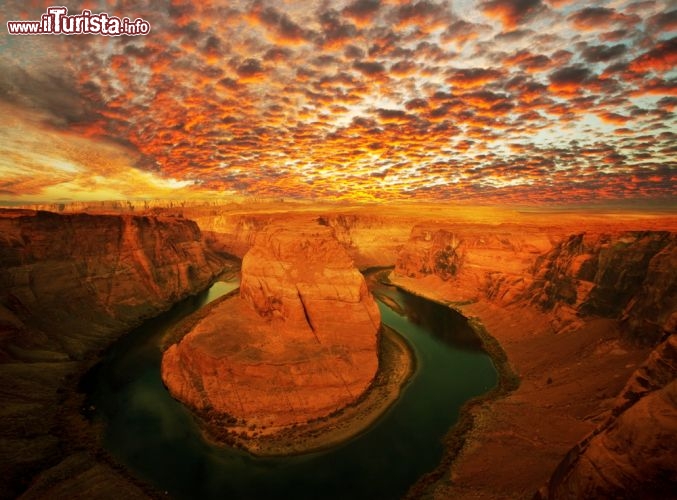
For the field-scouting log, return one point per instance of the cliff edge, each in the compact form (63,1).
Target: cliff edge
(69,286)
(577,313)
(633,453)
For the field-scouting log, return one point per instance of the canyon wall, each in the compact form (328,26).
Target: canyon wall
(629,276)
(232,234)
(626,275)
(572,284)
(633,453)
(69,285)
(299,343)
(370,240)
(74,279)
(468,261)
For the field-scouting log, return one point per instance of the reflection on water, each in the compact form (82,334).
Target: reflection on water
(156,437)
(446,324)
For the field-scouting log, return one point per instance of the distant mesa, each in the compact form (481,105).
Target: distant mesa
(298,344)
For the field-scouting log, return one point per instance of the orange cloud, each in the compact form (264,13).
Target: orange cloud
(472,77)
(512,13)
(661,58)
(600,18)
(374,100)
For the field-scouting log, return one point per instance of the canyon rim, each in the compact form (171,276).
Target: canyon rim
(235,232)
(586,320)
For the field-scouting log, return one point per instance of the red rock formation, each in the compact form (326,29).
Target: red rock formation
(299,343)
(633,454)
(69,285)
(231,233)
(623,275)
(61,281)
(370,240)
(473,260)
(627,275)
(431,251)
(60,272)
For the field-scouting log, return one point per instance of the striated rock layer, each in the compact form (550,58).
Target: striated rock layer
(575,315)
(627,275)
(469,261)
(370,240)
(634,452)
(624,275)
(59,272)
(299,343)
(69,285)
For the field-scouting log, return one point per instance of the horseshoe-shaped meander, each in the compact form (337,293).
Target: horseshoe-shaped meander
(156,437)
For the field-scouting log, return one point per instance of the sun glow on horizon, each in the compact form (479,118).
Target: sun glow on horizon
(488,102)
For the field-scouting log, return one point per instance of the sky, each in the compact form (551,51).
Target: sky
(531,102)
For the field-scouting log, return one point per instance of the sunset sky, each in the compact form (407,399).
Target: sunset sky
(488,102)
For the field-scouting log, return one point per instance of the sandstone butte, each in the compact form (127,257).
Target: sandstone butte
(299,343)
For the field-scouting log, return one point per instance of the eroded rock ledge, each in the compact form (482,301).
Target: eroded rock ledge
(298,344)
(69,286)
(575,321)
(633,452)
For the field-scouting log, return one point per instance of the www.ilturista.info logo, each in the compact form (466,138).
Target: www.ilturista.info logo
(56,21)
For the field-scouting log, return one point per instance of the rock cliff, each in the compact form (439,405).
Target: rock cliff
(77,278)
(634,452)
(628,276)
(596,290)
(69,285)
(231,233)
(371,240)
(298,344)
(473,260)
(625,275)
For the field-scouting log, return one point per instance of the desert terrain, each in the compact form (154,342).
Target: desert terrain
(576,307)
(361,249)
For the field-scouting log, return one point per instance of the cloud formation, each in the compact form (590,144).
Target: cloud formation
(491,102)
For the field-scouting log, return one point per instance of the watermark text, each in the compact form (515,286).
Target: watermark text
(56,21)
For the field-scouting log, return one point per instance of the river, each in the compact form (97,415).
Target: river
(157,439)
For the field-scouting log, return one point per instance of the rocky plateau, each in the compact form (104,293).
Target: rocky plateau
(300,341)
